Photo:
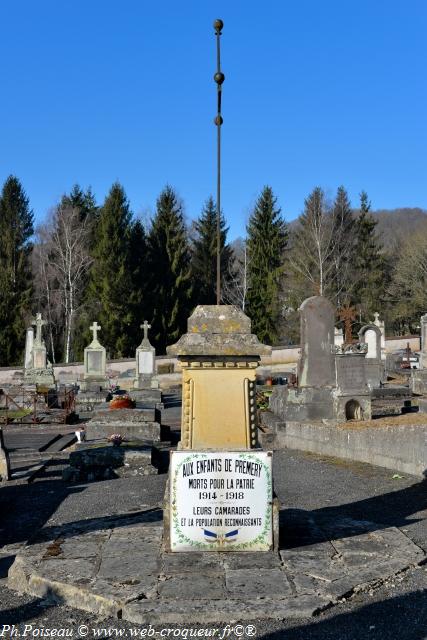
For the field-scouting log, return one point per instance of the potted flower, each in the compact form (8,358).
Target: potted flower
(122,402)
(116,439)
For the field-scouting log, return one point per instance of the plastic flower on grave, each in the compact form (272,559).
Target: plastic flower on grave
(122,402)
(116,439)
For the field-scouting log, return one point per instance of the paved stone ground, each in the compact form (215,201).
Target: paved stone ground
(115,566)
(320,497)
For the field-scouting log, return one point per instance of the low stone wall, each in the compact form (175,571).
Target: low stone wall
(279,356)
(401,448)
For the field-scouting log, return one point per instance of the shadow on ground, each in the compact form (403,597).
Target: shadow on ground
(400,618)
(29,611)
(299,527)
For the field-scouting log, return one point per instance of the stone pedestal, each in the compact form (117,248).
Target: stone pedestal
(352,395)
(219,473)
(419,381)
(219,356)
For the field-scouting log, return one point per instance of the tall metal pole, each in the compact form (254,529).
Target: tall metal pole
(219,79)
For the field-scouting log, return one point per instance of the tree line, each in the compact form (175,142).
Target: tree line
(100,262)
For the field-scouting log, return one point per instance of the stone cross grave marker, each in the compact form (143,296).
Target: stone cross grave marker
(145,360)
(39,322)
(347,314)
(145,328)
(95,328)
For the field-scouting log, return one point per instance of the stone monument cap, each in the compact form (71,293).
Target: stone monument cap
(222,330)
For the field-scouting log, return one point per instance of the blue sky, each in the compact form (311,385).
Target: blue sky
(316,93)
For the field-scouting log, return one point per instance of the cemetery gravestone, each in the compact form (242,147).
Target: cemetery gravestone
(419,377)
(330,376)
(339,337)
(423,358)
(317,363)
(39,371)
(381,326)
(145,362)
(94,376)
(370,334)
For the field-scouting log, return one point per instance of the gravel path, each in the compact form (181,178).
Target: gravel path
(398,609)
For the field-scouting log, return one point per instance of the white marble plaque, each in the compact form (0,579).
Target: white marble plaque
(146,362)
(39,356)
(221,501)
(94,362)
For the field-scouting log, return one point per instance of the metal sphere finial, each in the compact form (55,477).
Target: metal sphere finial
(218,25)
(219,77)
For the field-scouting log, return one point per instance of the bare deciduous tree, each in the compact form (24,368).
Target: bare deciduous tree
(236,283)
(321,249)
(62,263)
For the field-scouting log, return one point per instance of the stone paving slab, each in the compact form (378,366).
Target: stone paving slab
(122,571)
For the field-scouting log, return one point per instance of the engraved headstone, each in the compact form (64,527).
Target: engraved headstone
(94,376)
(145,359)
(317,363)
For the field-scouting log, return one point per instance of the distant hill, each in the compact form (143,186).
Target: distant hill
(395,225)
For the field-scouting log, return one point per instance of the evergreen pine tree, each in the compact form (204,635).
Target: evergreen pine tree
(266,242)
(370,265)
(204,253)
(139,302)
(343,254)
(170,286)
(109,285)
(84,201)
(16,229)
